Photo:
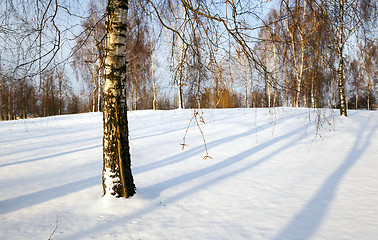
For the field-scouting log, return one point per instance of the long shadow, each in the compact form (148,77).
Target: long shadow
(70,142)
(50,156)
(27,200)
(308,220)
(152,124)
(53,133)
(157,134)
(170,131)
(154,190)
(199,149)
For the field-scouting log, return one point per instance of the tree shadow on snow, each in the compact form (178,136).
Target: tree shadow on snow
(28,200)
(308,220)
(50,135)
(51,156)
(200,149)
(154,191)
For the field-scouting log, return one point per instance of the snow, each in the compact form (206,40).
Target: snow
(270,177)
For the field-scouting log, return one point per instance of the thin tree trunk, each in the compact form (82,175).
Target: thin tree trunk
(275,93)
(303,45)
(267,74)
(94,99)
(179,78)
(273,40)
(368,98)
(179,57)
(245,81)
(99,69)
(154,101)
(340,72)
(60,97)
(298,69)
(1,92)
(299,79)
(9,103)
(313,103)
(99,88)
(199,71)
(251,88)
(287,85)
(181,60)
(315,58)
(94,74)
(135,95)
(117,178)
(198,99)
(295,64)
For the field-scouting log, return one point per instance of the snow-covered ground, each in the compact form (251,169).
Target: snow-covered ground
(270,177)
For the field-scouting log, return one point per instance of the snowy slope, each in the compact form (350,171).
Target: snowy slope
(270,177)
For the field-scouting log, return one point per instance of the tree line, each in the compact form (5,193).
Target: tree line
(304,56)
(24,98)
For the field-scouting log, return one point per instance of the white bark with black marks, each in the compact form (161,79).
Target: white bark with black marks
(117,177)
(340,70)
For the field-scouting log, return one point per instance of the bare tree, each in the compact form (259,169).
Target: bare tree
(155,100)
(89,52)
(347,17)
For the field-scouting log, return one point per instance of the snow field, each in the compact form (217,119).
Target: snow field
(270,177)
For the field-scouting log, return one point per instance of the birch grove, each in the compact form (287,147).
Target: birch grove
(318,54)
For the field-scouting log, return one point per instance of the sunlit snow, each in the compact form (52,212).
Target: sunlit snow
(270,177)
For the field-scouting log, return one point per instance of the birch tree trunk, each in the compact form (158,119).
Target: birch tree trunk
(298,68)
(180,74)
(267,73)
(275,93)
(135,93)
(301,30)
(9,102)
(251,88)
(198,98)
(1,108)
(300,75)
(340,70)
(154,101)
(181,26)
(315,58)
(95,87)
(288,102)
(117,178)
(245,81)
(295,63)
(99,69)
(99,87)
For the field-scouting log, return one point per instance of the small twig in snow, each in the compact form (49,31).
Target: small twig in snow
(56,227)
(194,116)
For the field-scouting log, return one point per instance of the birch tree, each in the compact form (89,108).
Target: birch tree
(117,178)
(89,53)
(154,100)
(348,17)
(295,26)
(178,18)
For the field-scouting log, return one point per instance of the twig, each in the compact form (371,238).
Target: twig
(194,116)
(56,227)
